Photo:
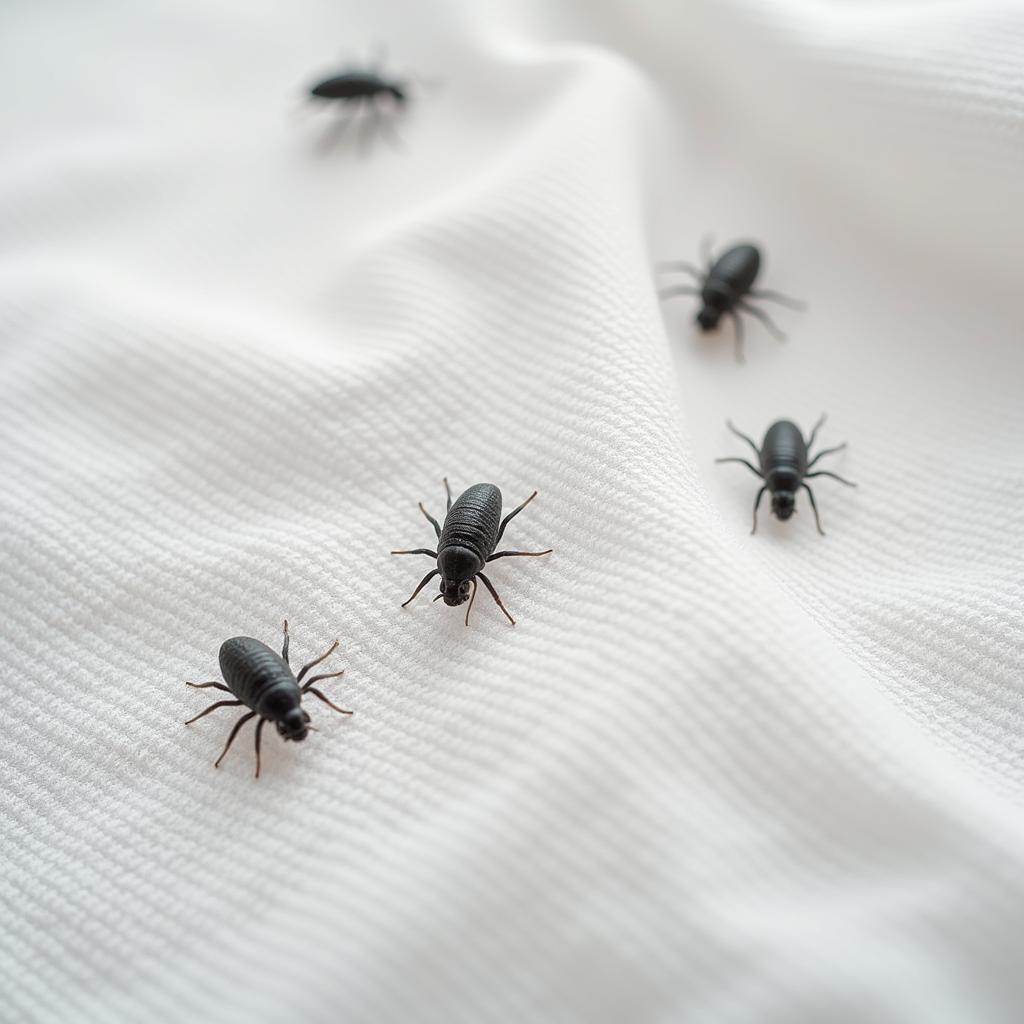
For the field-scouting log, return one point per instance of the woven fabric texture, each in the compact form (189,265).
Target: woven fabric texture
(707,776)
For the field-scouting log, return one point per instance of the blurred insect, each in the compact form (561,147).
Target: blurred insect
(783,460)
(262,680)
(466,543)
(355,89)
(724,287)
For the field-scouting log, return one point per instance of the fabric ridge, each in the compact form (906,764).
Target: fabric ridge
(706,776)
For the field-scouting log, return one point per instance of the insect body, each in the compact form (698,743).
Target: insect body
(262,680)
(358,86)
(724,288)
(472,528)
(783,464)
(355,89)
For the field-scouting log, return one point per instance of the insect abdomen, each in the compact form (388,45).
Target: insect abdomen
(784,448)
(347,87)
(252,671)
(472,522)
(738,268)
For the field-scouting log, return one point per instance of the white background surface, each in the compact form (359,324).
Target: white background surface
(708,776)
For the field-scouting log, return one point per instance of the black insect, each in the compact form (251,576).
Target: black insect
(783,461)
(262,680)
(724,287)
(357,89)
(466,543)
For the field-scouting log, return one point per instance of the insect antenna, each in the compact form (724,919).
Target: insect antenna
(471,600)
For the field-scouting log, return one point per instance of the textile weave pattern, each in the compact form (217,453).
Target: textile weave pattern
(706,776)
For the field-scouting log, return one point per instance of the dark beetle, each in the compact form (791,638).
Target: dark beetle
(358,86)
(724,287)
(783,461)
(262,680)
(354,89)
(466,543)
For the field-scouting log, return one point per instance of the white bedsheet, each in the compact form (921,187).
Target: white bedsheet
(707,776)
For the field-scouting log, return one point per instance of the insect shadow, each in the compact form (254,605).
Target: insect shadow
(466,543)
(783,464)
(261,680)
(725,285)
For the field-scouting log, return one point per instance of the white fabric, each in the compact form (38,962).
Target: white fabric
(707,776)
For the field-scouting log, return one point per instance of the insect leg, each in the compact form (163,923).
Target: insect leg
(757,503)
(213,707)
(784,300)
(532,554)
(512,515)
(764,318)
(316,661)
(494,594)
(683,289)
(749,466)
(739,334)
(471,600)
(366,129)
(417,551)
(423,582)
(433,522)
(316,679)
(827,451)
(333,135)
(232,735)
(448,491)
(287,641)
(316,693)
(683,265)
(814,506)
(835,476)
(386,128)
(740,434)
(705,250)
(259,732)
(817,427)
(206,686)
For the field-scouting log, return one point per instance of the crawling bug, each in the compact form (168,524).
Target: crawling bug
(262,680)
(783,460)
(724,287)
(466,543)
(354,89)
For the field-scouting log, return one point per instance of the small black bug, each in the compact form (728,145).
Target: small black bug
(262,680)
(355,88)
(724,287)
(783,460)
(466,543)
